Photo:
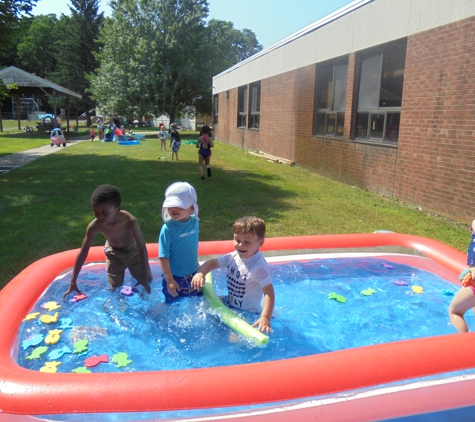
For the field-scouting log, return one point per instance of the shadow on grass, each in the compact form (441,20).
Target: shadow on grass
(45,206)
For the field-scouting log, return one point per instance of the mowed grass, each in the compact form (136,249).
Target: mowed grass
(13,140)
(45,205)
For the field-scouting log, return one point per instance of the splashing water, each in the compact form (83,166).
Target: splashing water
(187,334)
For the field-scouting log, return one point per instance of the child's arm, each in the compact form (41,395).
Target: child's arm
(470,252)
(172,285)
(200,277)
(142,248)
(263,323)
(198,143)
(81,258)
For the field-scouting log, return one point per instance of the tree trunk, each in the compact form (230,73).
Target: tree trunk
(88,119)
(172,117)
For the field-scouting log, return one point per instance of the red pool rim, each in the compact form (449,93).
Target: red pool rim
(23,391)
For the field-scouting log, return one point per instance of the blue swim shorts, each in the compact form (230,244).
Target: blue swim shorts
(185,288)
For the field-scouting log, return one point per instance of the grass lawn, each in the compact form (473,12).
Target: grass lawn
(13,140)
(45,208)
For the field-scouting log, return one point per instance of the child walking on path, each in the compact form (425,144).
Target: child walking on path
(465,297)
(248,276)
(175,141)
(205,143)
(125,243)
(178,241)
(163,138)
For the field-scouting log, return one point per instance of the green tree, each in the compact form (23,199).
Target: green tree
(159,57)
(11,12)
(5,90)
(35,51)
(231,45)
(9,57)
(227,46)
(76,48)
(152,60)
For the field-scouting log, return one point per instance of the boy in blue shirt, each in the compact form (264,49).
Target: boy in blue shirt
(178,241)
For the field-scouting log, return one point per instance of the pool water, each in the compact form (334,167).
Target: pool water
(310,317)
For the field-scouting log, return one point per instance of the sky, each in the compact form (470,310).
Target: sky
(270,20)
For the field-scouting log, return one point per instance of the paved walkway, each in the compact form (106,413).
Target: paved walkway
(9,162)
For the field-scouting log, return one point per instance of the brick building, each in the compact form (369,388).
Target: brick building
(380,95)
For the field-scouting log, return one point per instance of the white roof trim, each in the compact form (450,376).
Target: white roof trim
(310,28)
(12,75)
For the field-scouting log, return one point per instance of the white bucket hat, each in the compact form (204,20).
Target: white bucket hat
(179,195)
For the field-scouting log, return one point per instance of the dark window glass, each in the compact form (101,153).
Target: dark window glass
(255,105)
(392,127)
(377,126)
(331,98)
(242,106)
(215,109)
(362,125)
(392,78)
(380,92)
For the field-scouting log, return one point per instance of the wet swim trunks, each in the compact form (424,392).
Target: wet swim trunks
(118,259)
(185,288)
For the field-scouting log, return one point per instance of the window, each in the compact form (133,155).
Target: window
(330,98)
(380,93)
(255,106)
(215,109)
(242,106)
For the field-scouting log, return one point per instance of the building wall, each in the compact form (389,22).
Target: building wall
(432,164)
(436,152)
(361,24)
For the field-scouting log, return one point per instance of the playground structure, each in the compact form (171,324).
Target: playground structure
(47,124)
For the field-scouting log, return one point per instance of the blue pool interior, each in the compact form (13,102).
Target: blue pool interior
(322,305)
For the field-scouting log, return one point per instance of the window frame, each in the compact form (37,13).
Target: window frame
(215,108)
(254,115)
(242,107)
(323,115)
(365,129)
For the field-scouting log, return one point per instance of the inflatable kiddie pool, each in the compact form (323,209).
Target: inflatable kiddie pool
(129,142)
(331,385)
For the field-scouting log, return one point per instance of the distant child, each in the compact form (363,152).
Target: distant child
(162,135)
(248,276)
(92,135)
(125,243)
(465,297)
(100,129)
(108,134)
(205,143)
(175,141)
(178,241)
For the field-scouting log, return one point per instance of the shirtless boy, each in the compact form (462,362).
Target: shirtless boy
(125,243)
